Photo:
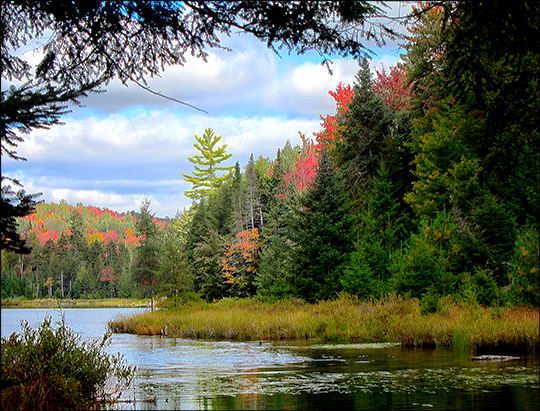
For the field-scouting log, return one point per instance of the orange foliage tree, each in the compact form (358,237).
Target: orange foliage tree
(240,262)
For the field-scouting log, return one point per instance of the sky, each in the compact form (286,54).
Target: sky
(128,144)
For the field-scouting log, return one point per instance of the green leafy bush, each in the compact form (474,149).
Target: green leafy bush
(50,368)
(426,263)
(525,272)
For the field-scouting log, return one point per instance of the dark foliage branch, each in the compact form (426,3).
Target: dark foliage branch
(12,205)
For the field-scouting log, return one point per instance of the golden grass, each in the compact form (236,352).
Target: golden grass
(346,319)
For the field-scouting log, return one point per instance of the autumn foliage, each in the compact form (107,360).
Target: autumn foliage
(240,261)
(106,226)
(392,86)
(331,124)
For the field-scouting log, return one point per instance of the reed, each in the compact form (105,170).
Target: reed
(346,319)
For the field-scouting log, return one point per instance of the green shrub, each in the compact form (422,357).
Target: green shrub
(429,303)
(426,262)
(525,272)
(179,300)
(487,292)
(49,368)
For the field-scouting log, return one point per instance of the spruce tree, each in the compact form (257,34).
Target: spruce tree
(274,278)
(366,126)
(323,236)
(147,261)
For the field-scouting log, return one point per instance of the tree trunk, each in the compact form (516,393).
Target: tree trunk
(62,282)
(37,282)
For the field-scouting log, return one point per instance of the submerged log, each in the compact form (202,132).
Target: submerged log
(494,358)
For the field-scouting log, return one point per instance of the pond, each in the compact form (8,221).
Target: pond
(305,375)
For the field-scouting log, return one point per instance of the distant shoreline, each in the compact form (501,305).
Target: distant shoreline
(77,303)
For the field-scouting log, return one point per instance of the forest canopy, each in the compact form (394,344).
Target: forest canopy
(423,183)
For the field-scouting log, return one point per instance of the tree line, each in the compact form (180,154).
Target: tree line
(76,252)
(423,183)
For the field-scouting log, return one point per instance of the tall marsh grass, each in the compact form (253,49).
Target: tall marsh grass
(346,319)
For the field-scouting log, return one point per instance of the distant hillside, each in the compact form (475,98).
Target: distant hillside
(101,224)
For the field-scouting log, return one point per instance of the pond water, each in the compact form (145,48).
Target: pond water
(306,375)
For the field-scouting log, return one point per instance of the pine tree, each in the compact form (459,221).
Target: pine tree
(205,177)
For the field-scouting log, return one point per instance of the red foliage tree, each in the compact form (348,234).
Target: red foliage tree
(392,87)
(240,261)
(107,274)
(330,124)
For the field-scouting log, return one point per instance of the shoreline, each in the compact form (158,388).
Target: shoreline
(77,303)
(393,320)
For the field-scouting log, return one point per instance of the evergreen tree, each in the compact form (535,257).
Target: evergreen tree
(366,126)
(380,232)
(220,207)
(237,184)
(252,205)
(323,236)
(205,178)
(207,257)
(201,224)
(147,254)
(174,274)
(276,267)
(274,278)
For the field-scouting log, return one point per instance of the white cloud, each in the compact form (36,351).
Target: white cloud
(113,161)
(129,143)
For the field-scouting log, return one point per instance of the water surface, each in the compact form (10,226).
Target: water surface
(195,374)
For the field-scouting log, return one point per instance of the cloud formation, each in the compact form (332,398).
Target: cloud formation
(127,143)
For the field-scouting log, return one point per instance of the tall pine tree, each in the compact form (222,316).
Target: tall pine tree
(205,178)
(366,126)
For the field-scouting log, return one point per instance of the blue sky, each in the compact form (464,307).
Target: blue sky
(128,144)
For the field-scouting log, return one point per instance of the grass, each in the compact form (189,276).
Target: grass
(346,319)
(76,303)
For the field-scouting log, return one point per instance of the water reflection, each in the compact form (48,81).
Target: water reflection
(186,374)
(303,375)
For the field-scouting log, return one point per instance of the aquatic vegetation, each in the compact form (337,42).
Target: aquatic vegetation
(346,319)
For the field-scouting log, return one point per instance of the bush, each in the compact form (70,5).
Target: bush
(427,262)
(50,368)
(525,272)
(181,299)
(429,303)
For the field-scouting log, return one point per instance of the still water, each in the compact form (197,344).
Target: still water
(192,374)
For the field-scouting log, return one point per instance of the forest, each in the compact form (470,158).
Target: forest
(423,183)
